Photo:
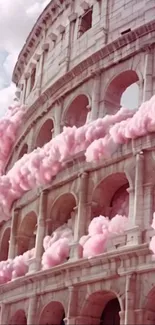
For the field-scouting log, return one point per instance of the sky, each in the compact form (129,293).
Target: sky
(17,18)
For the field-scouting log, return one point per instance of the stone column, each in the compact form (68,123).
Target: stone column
(148,203)
(32,310)
(58,115)
(81,216)
(139,199)
(3,314)
(23,95)
(14,225)
(129,300)
(41,229)
(95,97)
(122,317)
(148,69)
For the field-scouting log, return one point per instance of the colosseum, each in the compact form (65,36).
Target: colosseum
(76,64)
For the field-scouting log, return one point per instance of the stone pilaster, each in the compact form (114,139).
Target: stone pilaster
(122,317)
(58,114)
(32,310)
(14,224)
(95,97)
(41,229)
(139,316)
(3,314)
(148,204)
(130,300)
(81,216)
(139,195)
(148,68)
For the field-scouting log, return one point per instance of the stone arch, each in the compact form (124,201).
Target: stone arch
(52,313)
(77,111)
(23,151)
(62,210)
(4,245)
(149,308)
(45,133)
(103,306)
(27,233)
(19,318)
(116,87)
(108,192)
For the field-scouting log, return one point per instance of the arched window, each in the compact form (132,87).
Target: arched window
(77,111)
(119,92)
(45,133)
(27,233)
(52,313)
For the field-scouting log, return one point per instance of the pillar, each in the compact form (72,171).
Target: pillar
(148,69)
(4,314)
(14,225)
(139,316)
(139,195)
(41,229)
(58,114)
(96,96)
(70,318)
(81,216)
(148,204)
(23,94)
(32,310)
(122,317)
(130,292)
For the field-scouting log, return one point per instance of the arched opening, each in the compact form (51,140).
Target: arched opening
(19,318)
(149,309)
(52,314)
(110,315)
(110,197)
(104,307)
(119,92)
(76,113)
(23,151)
(27,233)
(62,212)
(130,97)
(45,133)
(4,248)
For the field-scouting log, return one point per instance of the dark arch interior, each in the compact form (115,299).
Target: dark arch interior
(27,233)
(45,133)
(19,318)
(110,195)
(110,314)
(115,90)
(61,211)
(52,314)
(77,112)
(23,151)
(5,245)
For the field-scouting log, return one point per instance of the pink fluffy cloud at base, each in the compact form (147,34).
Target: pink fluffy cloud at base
(98,139)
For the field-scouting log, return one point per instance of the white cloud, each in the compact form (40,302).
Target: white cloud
(16,21)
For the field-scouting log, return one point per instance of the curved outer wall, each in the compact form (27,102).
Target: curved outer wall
(81,56)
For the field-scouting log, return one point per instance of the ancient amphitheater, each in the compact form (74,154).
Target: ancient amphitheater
(77,62)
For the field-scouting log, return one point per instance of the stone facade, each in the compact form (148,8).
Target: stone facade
(74,67)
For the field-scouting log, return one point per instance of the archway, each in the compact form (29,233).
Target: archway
(77,111)
(110,196)
(104,307)
(149,309)
(116,88)
(19,318)
(23,151)
(52,314)
(4,248)
(62,210)
(27,233)
(45,133)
